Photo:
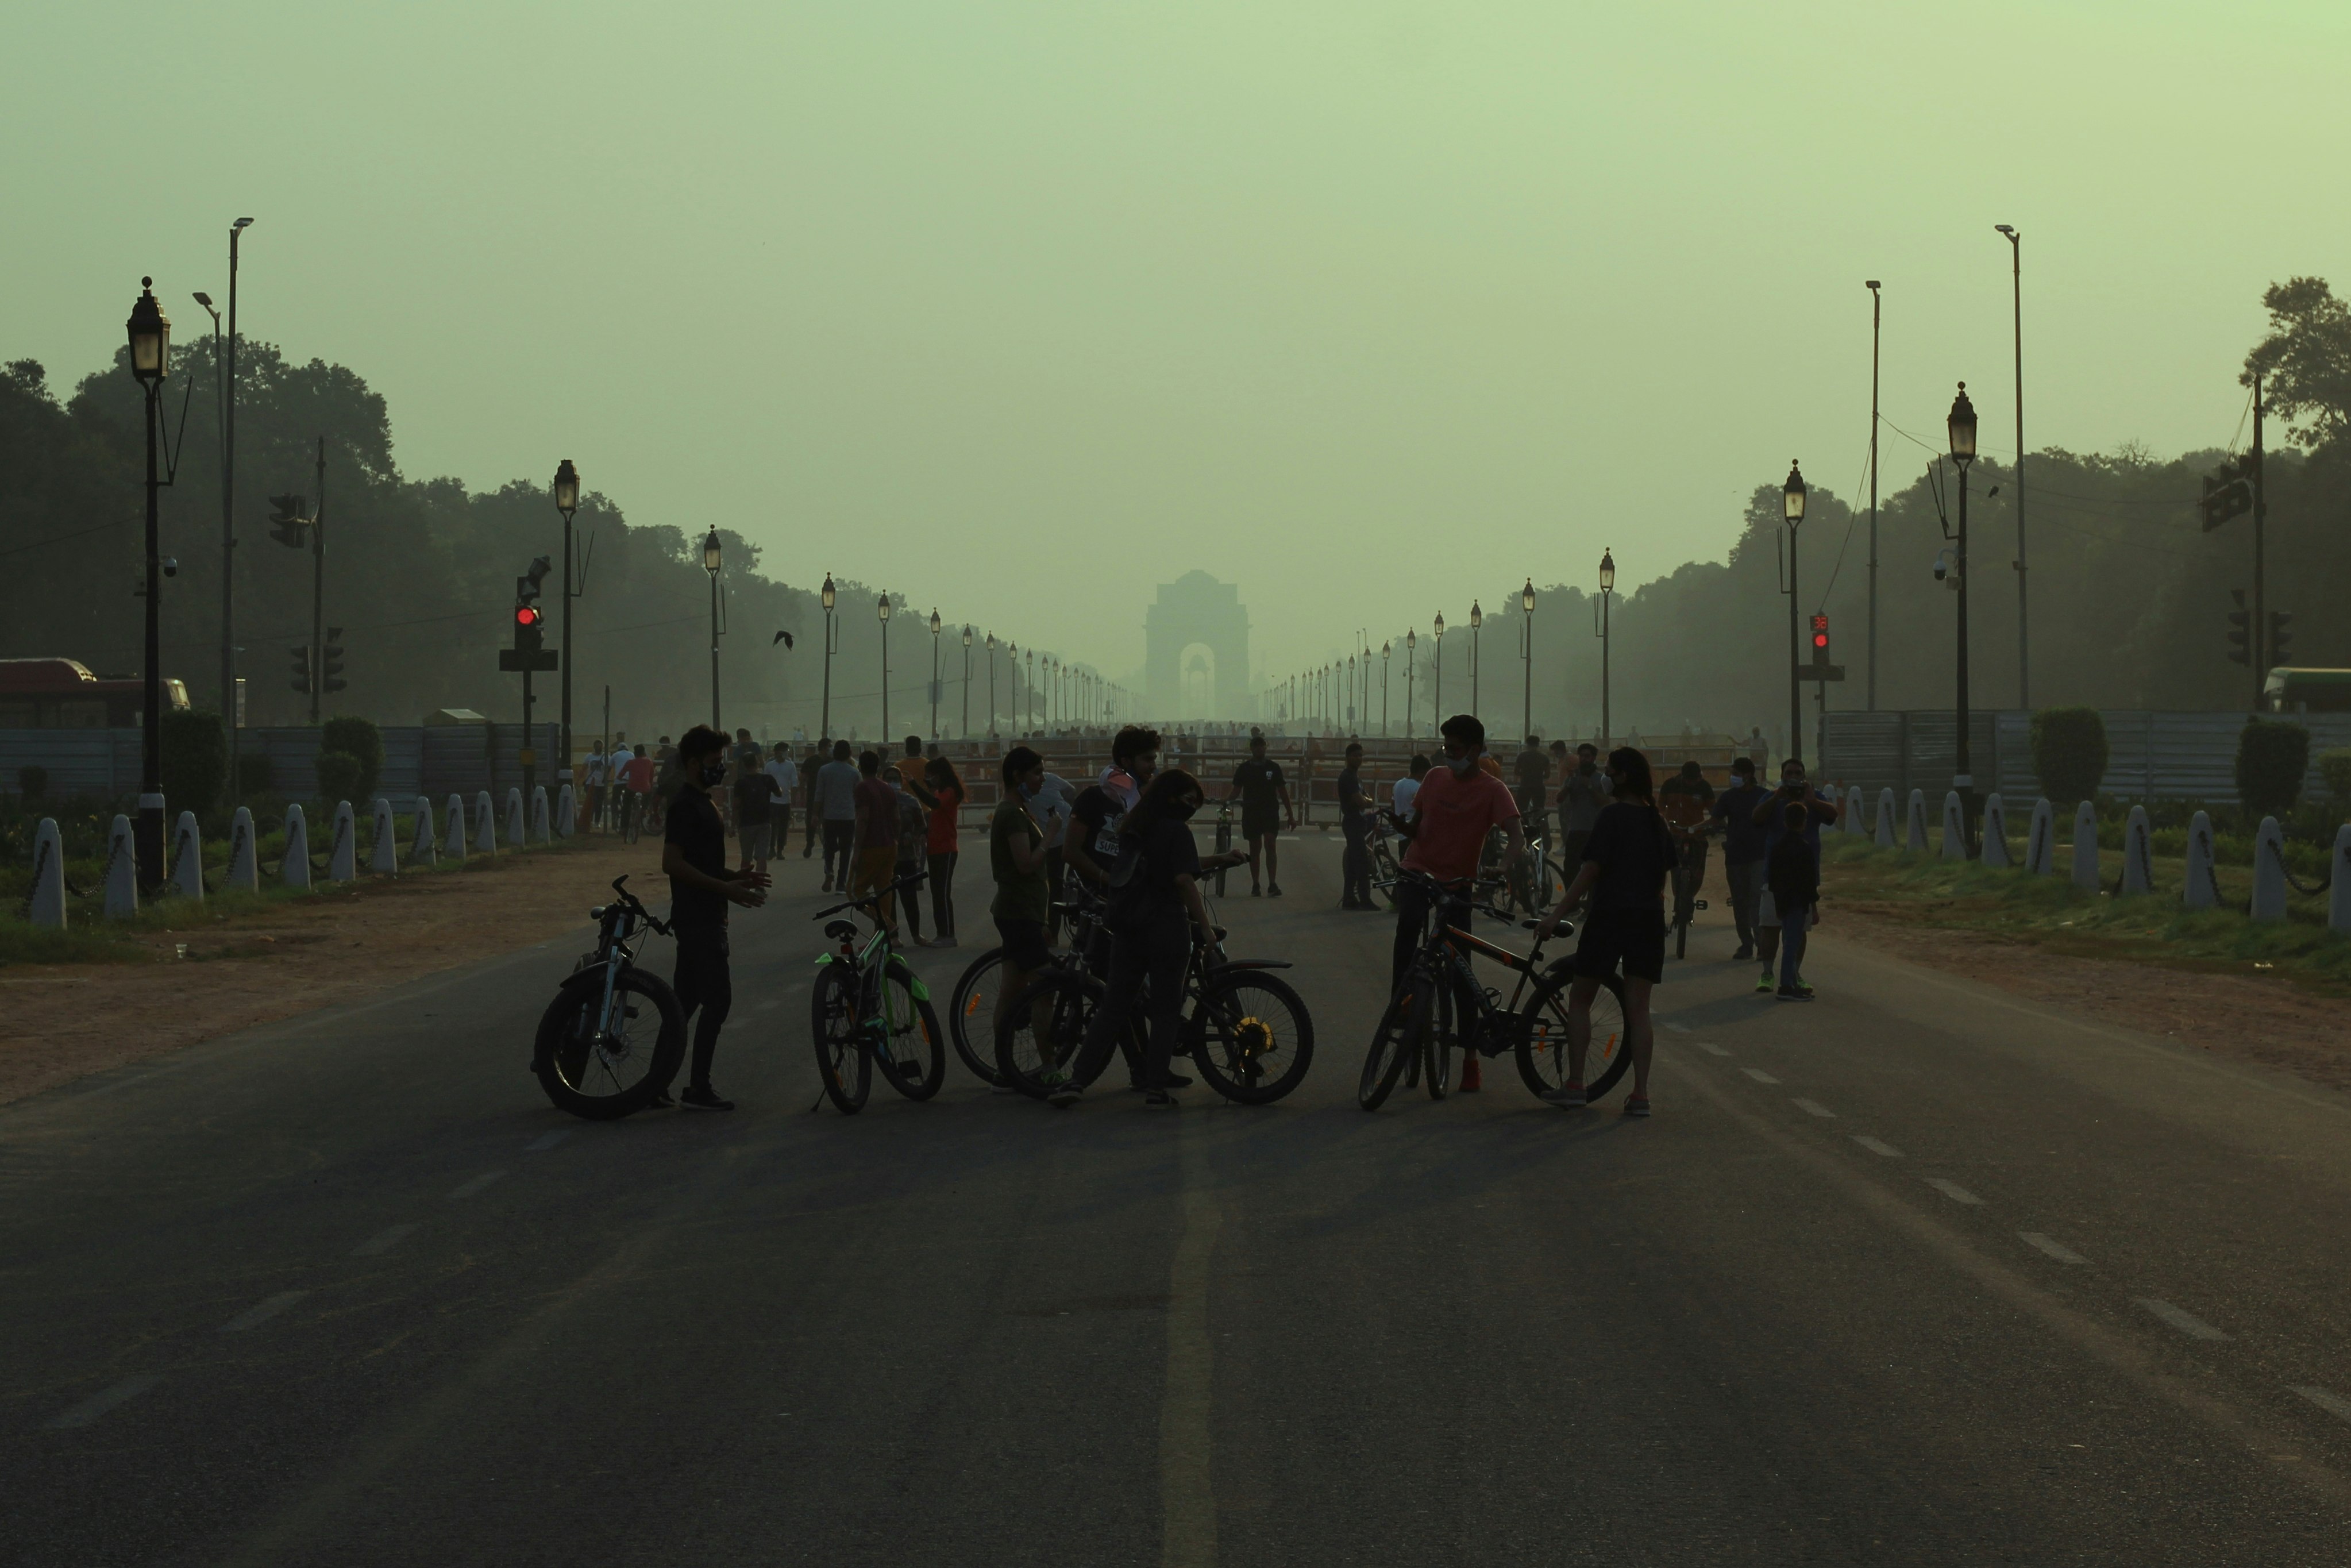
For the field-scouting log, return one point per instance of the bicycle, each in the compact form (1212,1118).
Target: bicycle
(1529,886)
(975,989)
(1250,1034)
(867,1006)
(592,1053)
(1419,1031)
(1689,876)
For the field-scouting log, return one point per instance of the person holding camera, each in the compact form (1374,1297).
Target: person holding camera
(1772,816)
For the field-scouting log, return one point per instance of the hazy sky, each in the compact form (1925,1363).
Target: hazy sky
(1022,309)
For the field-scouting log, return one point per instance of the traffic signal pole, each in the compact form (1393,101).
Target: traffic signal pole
(2257,632)
(319,588)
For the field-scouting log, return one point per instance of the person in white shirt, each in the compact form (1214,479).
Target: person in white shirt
(593,774)
(1401,793)
(786,775)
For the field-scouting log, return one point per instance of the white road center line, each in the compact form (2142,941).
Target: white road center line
(1815,1108)
(1758,1074)
(1679,1027)
(546,1141)
(97,1404)
(2064,1254)
(253,1317)
(1711,1049)
(382,1241)
(1953,1190)
(2332,1404)
(2188,1324)
(476,1185)
(1877,1146)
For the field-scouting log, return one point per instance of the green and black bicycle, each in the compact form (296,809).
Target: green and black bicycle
(870,1008)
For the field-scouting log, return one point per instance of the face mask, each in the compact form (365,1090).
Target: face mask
(1030,791)
(1462,765)
(714,773)
(1183,813)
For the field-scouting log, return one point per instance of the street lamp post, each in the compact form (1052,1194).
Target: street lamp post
(992,709)
(935,671)
(1963,427)
(1477,623)
(1411,643)
(964,730)
(151,356)
(710,565)
(825,596)
(1527,651)
(228,521)
(1792,508)
(1029,709)
(1877,315)
(1607,593)
(1385,654)
(882,610)
(566,501)
(2016,480)
(1436,680)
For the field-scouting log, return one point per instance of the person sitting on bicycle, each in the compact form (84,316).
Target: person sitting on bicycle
(694,858)
(1454,809)
(1155,895)
(1626,858)
(1687,801)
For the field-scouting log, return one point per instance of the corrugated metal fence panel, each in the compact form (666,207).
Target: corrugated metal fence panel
(80,761)
(2149,754)
(1865,749)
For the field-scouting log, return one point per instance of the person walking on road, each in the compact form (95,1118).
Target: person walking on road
(1533,771)
(754,812)
(1795,876)
(939,845)
(1583,796)
(694,858)
(1771,815)
(1743,849)
(780,768)
(1401,793)
(1356,822)
(1455,809)
(836,802)
(1264,794)
(1626,858)
(875,831)
(811,818)
(913,802)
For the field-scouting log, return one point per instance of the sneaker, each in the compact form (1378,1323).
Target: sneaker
(661,1101)
(703,1100)
(1256,891)
(827,887)
(1159,1100)
(1638,1106)
(1746,955)
(1767,984)
(1065,1093)
(1568,1094)
(943,942)
(1273,889)
(1175,1080)
(1804,988)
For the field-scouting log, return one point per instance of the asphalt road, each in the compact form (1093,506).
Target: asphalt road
(1914,1275)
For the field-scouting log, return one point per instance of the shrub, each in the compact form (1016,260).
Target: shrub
(2334,767)
(338,775)
(196,753)
(32,782)
(360,739)
(2272,758)
(253,774)
(2069,753)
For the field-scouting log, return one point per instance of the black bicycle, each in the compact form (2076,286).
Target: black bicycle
(1689,875)
(869,1007)
(972,1005)
(1441,1007)
(613,1038)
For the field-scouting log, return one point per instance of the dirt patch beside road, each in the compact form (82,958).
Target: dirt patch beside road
(59,1022)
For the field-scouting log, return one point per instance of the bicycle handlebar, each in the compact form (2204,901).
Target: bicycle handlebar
(634,905)
(875,899)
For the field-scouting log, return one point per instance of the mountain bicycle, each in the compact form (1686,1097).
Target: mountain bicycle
(1441,1007)
(614,1035)
(972,1005)
(1689,876)
(869,1007)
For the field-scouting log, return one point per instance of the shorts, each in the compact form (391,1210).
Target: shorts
(756,838)
(1766,912)
(1024,944)
(1632,937)
(1260,824)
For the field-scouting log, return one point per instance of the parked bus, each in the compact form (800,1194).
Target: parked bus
(62,694)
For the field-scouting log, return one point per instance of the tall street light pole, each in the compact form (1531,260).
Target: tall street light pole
(1792,508)
(882,610)
(964,732)
(1963,426)
(992,709)
(1385,653)
(710,565)
(1875,311)
(2016,480)
(935,671)
(1437,679)
(228,519)
(826,596)
(1476,623)
(566,501)
(1526,673)
(150,355)
(1411,642)
(1607,593)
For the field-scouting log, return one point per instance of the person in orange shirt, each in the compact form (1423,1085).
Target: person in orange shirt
(1457,805)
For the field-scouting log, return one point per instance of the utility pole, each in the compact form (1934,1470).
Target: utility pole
(228,524)
(2023,638)
(2257,634)
(319,588)
(1875,313)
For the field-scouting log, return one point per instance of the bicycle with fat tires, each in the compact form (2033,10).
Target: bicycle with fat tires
(1441,1007)
(613,1040)
(869,1008)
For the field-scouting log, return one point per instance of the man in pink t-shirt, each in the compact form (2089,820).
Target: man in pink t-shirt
(1458,804)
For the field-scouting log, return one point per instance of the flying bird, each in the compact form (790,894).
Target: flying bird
(783,637)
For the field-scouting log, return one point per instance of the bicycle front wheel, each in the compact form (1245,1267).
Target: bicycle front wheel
(1252,1037)
(1542,1028)
(1437,1069)
(1397,1041)
(973,1008)
(843,1061)
(1038,1042)
(602,1074)
(917,1057)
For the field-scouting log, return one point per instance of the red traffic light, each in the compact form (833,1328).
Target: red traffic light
(1820,632)
(526,614)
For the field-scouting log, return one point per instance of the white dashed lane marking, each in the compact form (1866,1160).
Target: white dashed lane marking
(97,1404)
(1815,1108)
(1712,1048)
(1877,1146)
(382,1241)
(547,1141)
(1758,1074)
(476,1185)
(2186,1322)
(1953,1190)
(2064,1254)
(1679,1027)
(2332,1404)
(260,1314)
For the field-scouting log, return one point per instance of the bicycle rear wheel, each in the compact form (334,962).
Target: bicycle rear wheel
(1541,1030)
(602,1077)
(917,1056)
(1252,1035)
(1437,1069)
(973,1006)
(1397,1041)
(1043,1029)
(843,1061)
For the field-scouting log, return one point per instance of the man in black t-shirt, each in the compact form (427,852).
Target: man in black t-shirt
(694,858)
(1355,807)
(1264,795)
(1533,771)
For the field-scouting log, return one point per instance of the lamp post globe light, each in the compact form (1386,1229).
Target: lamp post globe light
(1961,424)
(566,501)
(710,564)
(1527,652)
(151,362)
(826,596)
(882,610)
(1607,596)
(1792,508)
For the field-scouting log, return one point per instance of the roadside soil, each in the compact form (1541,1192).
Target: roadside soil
(59,1022)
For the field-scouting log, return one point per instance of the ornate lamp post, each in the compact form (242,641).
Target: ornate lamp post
(1792,506)
(151,362)
(1963,427)
(1476,623)
(825,596)
(882,610)
(1437,679)
(1386,650)
(1411,643)
(935,671)
(710,565)
(566,501)
(1607,593)
(992,709)
(1527,651)
(964,731)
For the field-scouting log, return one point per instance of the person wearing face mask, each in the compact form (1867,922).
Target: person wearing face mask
(1457,805)
(1155,908)
(1770,814)
(694,858)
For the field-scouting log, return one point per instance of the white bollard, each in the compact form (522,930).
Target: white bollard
(1885,818)
(2041,841)
(344,860)
(2086,847)
(428,837)
(514,817)
(564,809)
(1955,827)
(485,825)
(244,854)
(383,860)
(1995,831)
(1915,834)
(121,871)
(453,844)
(294,867)
(2198,891)
(49,901)
(538,823)
(1853,823)
(2138,852)
(2338,892)
(2269,871)
(187,874)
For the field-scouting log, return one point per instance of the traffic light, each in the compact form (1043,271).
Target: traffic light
(2281,639)
(301,682)
(530,628)
(2229,493)
(290,520)
(333,655)
(1820,639)
(2240,626)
